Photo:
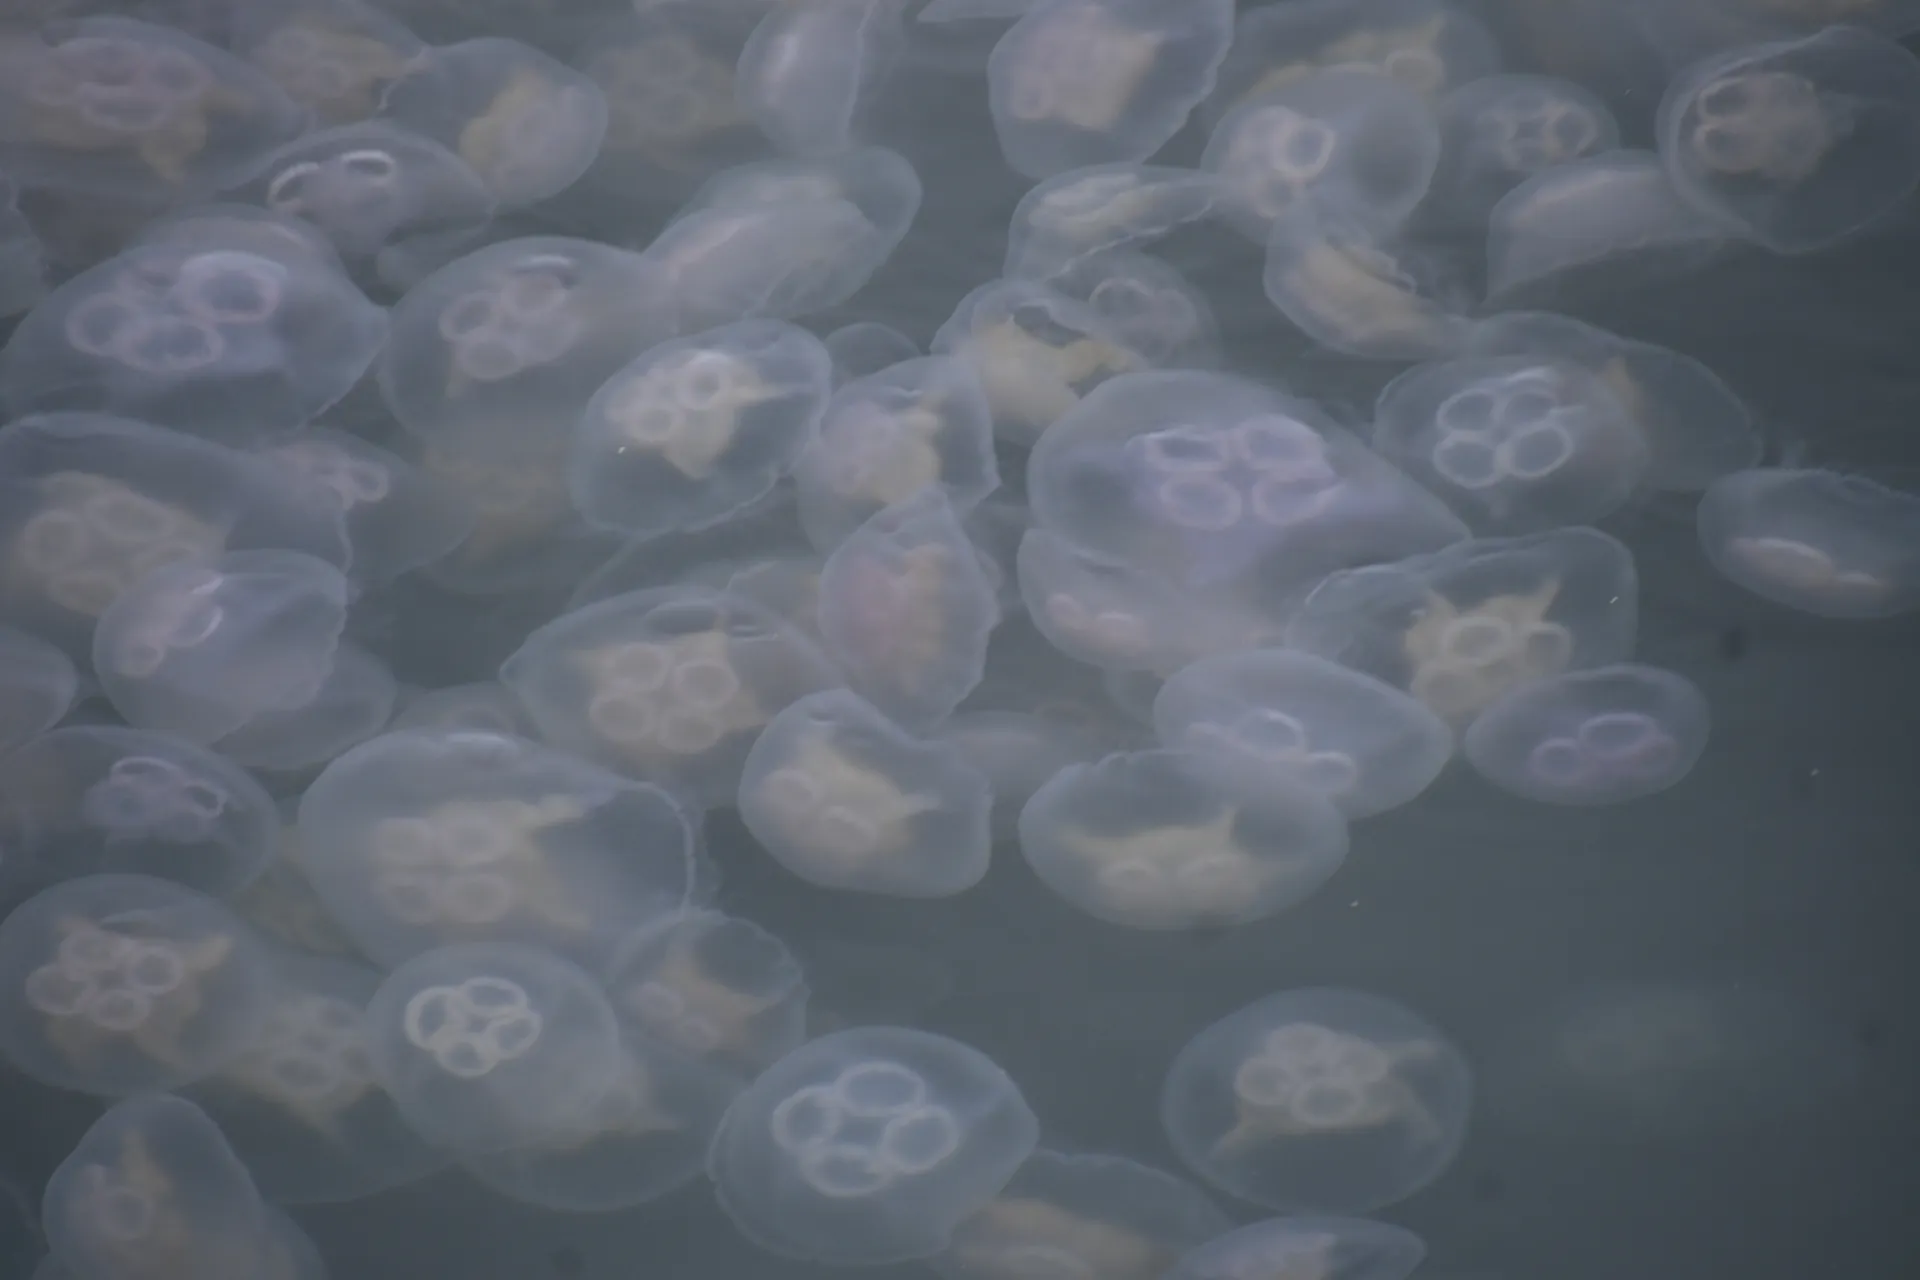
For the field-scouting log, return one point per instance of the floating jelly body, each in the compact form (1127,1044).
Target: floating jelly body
(1599,736)
(1318,1100)
(869,1146)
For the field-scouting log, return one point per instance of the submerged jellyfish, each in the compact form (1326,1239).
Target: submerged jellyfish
(38,683)
(205,648)
(886,436)
(1308,1246)
(228,339)
(1082,82)
(123,984)
(136,111)
(526,533)
(1078,1216)
(369,185)
(669,75)
(354,701)
(1822,542)
(89,504)
(1356,290)
(1461,627)
(778,239)
(227,225)
(1429,46)
(808,74)
(301,1104)
(525,123)
(842,797)
(1035,350)
(396,516)
(715,988)
(1348,141)
(672,683)
(1695,427)
(1513,443)
(1273,712)
(1498,131)
(428,837)
(1121,618)
(153,1191)
(1158,840)
(1600,736)
(906,609)
(1795,144)
(1609,217)
(1101,209)
(645,1137)
(491,1046)
(86,799)
(1147,305)
(1224,484)
(1318,1100)
(696,430)
(869,1146)
(512,340)
(335,57)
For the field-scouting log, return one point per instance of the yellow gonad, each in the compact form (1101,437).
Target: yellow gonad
(474,863)
(1461,660)
(1306,1080)
(1775,125)
(66,109)
(1619,380)
(309,1060)
(904,596)
(884,455)
(516,502)
(338,72)
(93,537)
(1170,874)
(687,410)
(1020,1239)
(663,701)
(159,1239)
(1357,292)
(1410,54)
(146,992)
(1029,381)
(665,99)
(1081,69)
(680,1000)
(529,109)
(840,815)
(705,687)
